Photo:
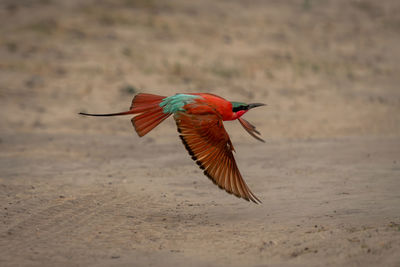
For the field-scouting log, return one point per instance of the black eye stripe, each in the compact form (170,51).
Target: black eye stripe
(236,109)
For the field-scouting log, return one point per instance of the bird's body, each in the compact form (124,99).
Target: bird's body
(199,118)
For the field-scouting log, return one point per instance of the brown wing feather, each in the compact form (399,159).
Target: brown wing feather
(208,143)
(251,129)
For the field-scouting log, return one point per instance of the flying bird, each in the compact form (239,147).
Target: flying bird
(199,118)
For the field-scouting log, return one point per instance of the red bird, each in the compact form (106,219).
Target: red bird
(199,118)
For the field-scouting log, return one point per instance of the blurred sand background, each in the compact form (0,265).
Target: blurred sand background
(78,191)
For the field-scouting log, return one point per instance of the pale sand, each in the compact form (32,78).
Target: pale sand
(80,191)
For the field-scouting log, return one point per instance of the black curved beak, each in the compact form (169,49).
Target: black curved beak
(254,105)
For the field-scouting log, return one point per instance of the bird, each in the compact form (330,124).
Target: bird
(199,119)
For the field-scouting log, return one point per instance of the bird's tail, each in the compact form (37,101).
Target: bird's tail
(150,114)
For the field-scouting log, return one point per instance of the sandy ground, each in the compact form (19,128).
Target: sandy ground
(80,191)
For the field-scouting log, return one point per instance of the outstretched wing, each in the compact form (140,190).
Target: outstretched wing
(208,143)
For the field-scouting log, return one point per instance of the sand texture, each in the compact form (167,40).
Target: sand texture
(80,191)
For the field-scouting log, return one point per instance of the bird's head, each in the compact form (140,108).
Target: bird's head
(239,108)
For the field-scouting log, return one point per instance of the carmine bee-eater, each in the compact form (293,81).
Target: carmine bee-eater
(199,118)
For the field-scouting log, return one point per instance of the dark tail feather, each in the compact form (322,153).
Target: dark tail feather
(109,114)
(150,114)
